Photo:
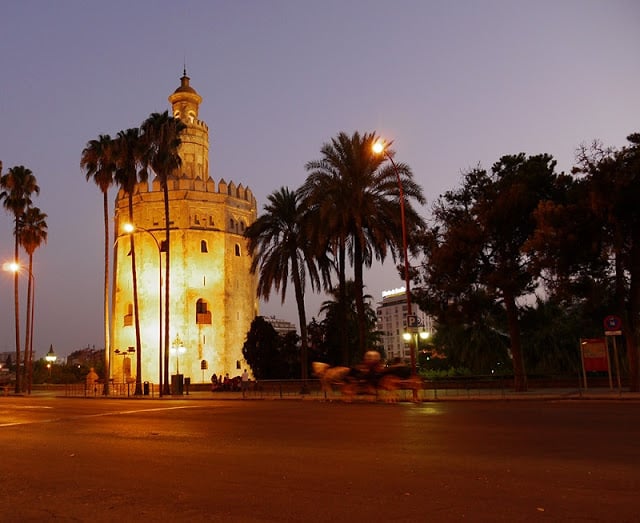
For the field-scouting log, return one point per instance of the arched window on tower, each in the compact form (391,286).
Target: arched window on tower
(203,314)
(237,250)
(203,246)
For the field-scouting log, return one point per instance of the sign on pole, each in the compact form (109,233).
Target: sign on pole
(595,357)
(412,321)
(612,326)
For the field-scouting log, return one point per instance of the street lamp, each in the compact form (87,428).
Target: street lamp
(129,228)
(423,335)
(125,357)
(380,147)
(177,348)
(51,358)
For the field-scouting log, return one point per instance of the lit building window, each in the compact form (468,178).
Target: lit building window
(203,315)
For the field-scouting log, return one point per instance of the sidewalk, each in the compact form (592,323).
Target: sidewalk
(425,395)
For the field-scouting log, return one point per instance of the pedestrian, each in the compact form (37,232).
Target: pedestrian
(245,383)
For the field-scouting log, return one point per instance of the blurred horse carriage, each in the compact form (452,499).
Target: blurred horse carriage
(371,379)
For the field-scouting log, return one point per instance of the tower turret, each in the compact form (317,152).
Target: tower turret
(194,151)
(185,100)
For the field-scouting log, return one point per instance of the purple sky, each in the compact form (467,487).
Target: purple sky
(454,84)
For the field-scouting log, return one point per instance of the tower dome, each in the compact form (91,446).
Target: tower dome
(185,101)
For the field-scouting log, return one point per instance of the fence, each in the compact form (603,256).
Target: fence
(431,390)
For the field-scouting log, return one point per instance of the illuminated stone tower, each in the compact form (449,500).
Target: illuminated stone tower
(212,293)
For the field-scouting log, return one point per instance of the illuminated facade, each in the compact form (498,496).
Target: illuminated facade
(391,318)
(212,292)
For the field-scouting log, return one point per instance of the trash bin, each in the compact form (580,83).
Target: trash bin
(187,382)
(177,384)
(145,388)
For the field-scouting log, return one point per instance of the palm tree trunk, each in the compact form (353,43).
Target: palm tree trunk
(33,301)
(359,290)
(302,318)
(136,314)
(519,374)
(107,339)
(16,303)
(27,336)
(342,305)
(167,389)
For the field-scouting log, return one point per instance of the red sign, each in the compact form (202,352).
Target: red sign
(594,354)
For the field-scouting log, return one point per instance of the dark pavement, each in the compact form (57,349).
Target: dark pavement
(196,459)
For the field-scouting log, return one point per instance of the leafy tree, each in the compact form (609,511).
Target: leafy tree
(477,242)
(281,250)
(32,234)
(472,334)
(128,153)
(161,136)
(352,196)
(98,162)
(289,355)
(608,219)
(260,350)
(17,185)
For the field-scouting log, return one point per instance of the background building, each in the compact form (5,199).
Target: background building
(391,313)
(282,327)
(212,294)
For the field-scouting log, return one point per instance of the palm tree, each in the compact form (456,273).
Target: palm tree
(32,234)
(281,250)
(98,160)
(161,136)
(355,197)
(334,317)
(17,187)
(128,156)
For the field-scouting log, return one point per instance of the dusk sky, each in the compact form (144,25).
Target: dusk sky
(453,83)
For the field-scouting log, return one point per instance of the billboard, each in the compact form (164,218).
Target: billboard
(595,356)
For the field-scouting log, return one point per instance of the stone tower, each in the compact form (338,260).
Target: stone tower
(212,292)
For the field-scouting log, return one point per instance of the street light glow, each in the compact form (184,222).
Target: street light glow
(11,266)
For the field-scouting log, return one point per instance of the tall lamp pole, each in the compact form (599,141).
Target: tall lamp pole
(129,228)
(381,148)
(15,268)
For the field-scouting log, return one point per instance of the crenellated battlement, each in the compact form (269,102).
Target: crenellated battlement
(199,124)
(196,185)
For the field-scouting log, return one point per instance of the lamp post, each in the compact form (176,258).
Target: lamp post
(177,348)
(125,354)
(129,228)
(423,335)
(15,268)
(381,148)
(51,358)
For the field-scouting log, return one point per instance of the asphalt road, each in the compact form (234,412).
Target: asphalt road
(168,460)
